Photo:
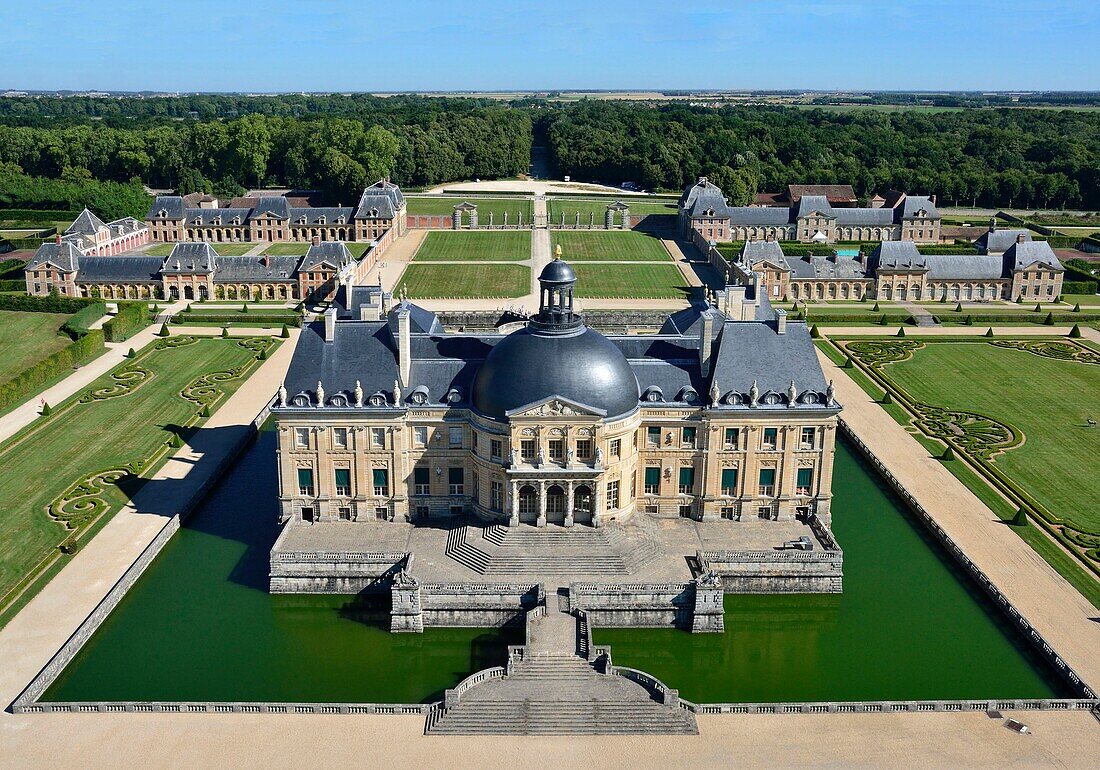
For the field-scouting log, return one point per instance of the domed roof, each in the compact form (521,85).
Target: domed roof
(558,271)
(526,367)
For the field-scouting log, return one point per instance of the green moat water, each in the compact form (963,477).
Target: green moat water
(199,625)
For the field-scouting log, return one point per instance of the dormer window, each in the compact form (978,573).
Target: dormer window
(198,220)
(236,220)
(320,220)
(341,219)
(163,213)
(302,219)
(216,221)
(373,213)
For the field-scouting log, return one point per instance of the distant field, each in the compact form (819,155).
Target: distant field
(613,246)
(469,281)
(27,338)
(595,210)
(475,246)
(630,281)
(498,206)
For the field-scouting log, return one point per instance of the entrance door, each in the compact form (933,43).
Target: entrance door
(555,505)
(528,505)
(582,505)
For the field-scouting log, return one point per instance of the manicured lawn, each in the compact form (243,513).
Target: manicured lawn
(475,246)
(595,210)
(1084,299)
(287,249)
(224,249)
(497,206)
(472,280)
(630,281)
(27,338)
(1047,399)
(621,246)
(80,439)
(159,249)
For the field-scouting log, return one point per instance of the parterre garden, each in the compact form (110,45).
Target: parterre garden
(609,246)
(65,473)
(1021,411)
(467,265)
(645,281)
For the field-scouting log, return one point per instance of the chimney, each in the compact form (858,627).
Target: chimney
(706,337)
(316,240)
(266,260)
(769,236)
(735,302)
(932,198)
(780,321)
(330,324)
(404,345)
(1019,237)
(57,238)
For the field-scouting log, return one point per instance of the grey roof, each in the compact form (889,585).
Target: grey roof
(911,205)
(704,196)
(754,252)
(207,216)
(331,215)
(759,215)
(827,267)
(421,320)
(86,222)
(171,205)
(64,256)
(558,271)
(334,253)
(1019,256)
(260,269)
(381,200)
(276,205)
(809,204)
(754,352)
(898,255)
(998,241)
(119,269)
(864,216)
(964,266)
(191,257)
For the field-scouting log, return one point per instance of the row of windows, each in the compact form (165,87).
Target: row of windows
(380,482)
(766,482)
(731,439)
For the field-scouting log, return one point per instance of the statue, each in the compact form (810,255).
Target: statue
(569,456)
(541,457)
(320,394)
(829,394)
(715,392)
(557,248)
(599,455)
(282,394)
(754,394)
(358,393)
(792,394)
(396,394)
(513,458)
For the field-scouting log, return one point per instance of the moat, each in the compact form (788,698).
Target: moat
(200,625)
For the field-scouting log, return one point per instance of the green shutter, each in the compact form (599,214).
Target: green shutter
(652,477)
(805,477)
(305,477)
(454,475)
(729,478)
(381,477)
(767,476)
(687,477)
(343,477)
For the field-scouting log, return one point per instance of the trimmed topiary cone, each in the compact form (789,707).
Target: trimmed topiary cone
(1075,332)
(849,363)
(1049,320)
(1038,308)
(948,454)
(263,355)
(175,442)
(901,331)
(163,330)
(225,332)
(1020,519)
(1019,300)
(815,332)
(882,320)
(46,411)
(244,308)
(989,332)
(205,411)
(1077,308)
(188,308)
(875,308)
(959,307)
(969,321)
(887,398)
(131,354)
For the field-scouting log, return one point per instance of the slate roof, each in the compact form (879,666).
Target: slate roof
(312,215)
(86,223)
(257,269)
(808,204)
(704,196)
(753,352)
(754,252)
(191,257)
(207,216)
(998,241)
(759,215)
(827,267)
(964,266)
(119,269)
(1019,256)
(864,216)
(64,256)
(172,205)
(912,204)
(898,255)
(381,200)
(334,253)
(276,205)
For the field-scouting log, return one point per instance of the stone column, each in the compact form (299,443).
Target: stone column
(569,504)
(541,522)
(513,520)
(473,219)
(405,613)
(597,504)
(708,615)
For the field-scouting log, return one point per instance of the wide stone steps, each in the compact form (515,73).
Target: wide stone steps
(552,717)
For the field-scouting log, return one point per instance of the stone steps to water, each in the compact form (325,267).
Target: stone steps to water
(551,717)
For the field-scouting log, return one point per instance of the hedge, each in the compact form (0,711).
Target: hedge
(11,284)
(249,319)
(946,248)
(49,304)
(1079,287)
(132,317)
(38,215)
(77,326)
(31,379)
(12,268)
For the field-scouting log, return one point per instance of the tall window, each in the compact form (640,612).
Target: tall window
(771,438)
(301,438)
(612,495)
(804,481)
(475,487)
(455,477)
(420,435)
(653,480)
(305,482)
(729,482)
(343,482)
(378,437)
(687,480)
(584,448)
(616,448)
(808,440)
(767,482)
(454,437)
(496,495)
(557,449)
(732,438)
(653,436)
(687,437)
(496,448)
(527,449)
(381,479)
(475,441)
(339,438)
(422,481)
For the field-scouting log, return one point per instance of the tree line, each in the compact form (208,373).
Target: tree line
(1025,158)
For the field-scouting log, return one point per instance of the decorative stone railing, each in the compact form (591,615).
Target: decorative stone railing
(220,707)
(885,707)
(708,557)
(452,695)
(667,695)
(380,557)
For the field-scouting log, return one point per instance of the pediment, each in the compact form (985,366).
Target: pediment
(555,406)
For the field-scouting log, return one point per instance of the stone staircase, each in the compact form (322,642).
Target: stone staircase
(576,552)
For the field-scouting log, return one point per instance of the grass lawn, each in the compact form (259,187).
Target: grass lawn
(81,439)
(631,281)
(614,246)
(472,280)
(224,249)
(475,246)
(287,249)
(1045,398)
(497,206)
(27,338)
(596,210)
(1084,299)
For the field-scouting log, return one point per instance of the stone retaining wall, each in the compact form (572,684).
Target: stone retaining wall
(695,606)
(477,605)
(778,572)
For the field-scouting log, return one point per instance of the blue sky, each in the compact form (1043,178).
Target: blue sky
(274,45)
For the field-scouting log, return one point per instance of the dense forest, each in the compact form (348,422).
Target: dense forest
(1027,158)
